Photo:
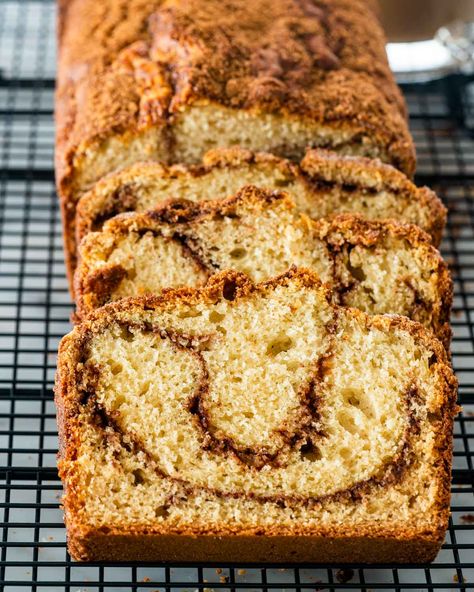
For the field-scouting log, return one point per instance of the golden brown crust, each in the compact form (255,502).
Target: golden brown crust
(324,61)
(97,546)
(370,173)
(378,543)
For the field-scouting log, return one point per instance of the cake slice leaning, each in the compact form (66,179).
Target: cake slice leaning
(242,422)
(321,185)
(377,266)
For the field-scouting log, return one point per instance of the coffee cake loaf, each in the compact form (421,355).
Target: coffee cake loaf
(168,80)
(321,185)
(379,267)
(242,422)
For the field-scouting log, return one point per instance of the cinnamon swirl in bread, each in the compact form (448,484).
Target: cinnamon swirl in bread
(321,185)
(241,422)
(379,267)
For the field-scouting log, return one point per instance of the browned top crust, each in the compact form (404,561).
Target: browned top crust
(127,65)
(369,173)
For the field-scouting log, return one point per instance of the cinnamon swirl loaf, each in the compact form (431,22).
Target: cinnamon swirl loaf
(321,185)
(242,422)
(379,267)
(169,79)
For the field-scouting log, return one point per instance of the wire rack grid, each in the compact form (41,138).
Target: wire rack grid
(34,313)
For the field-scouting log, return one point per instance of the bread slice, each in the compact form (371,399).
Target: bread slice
(321,185)
(379,267)
(241,422)
(167,81)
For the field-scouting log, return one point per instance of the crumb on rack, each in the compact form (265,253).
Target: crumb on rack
(469,518)
(344,575)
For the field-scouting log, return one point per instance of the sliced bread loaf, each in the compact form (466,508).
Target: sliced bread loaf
(242,422)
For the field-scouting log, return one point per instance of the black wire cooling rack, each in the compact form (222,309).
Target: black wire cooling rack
(34,313)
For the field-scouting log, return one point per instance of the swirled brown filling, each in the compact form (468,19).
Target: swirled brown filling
(270,403)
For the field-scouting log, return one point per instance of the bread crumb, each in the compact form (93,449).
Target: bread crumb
(469,518)
(241,572)
(146,579)
(344,575)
